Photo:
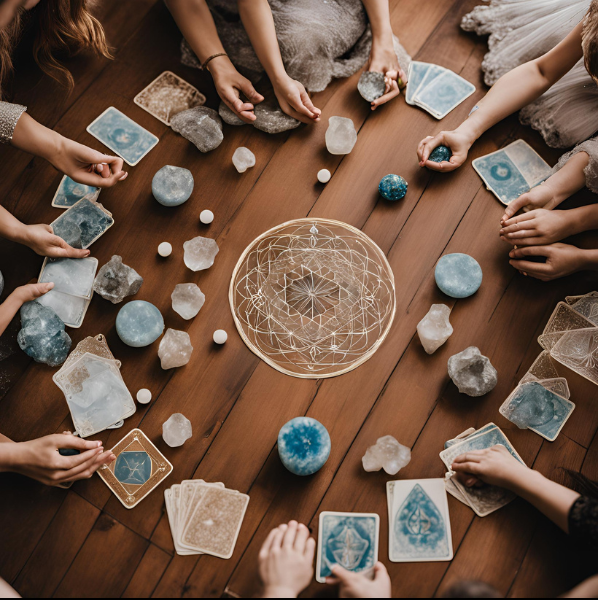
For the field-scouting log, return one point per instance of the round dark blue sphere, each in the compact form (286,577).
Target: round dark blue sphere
(458,275)
(441,154)
(393,187)
(304,446)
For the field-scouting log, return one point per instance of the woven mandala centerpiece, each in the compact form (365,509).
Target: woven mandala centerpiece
(313,298)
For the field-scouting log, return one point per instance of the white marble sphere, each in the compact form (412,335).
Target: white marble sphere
(220,336)
(206,217)
(324,175)
(144,396)
(165,249)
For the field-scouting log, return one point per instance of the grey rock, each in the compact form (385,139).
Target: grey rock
(472,373)
(115,281)
(371,85)
(201,126)
(271,119)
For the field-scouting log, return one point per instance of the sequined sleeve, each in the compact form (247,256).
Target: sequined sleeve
(583,521)
(591,171)
(9,117)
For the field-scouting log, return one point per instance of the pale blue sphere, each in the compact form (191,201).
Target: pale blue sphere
(172,186)
(458,275)
(139,324)
(393,187)
(304,446)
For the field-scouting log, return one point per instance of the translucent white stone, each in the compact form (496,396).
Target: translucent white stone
(472,373)
(200,253)
(165,249)
(243,159)
(220,336)
(324,176)
(386,454)
(187,300)
(177,430)
(341,136)
(144,396)
(206,217)
(175,349)
(435,328)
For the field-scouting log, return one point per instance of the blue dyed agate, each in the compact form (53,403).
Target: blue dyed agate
(172,186)
(304,446)
(440,154)
(139,324)
(458,275)
(133,468)
(393,187)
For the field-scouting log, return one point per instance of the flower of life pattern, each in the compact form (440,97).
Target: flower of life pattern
(313,298)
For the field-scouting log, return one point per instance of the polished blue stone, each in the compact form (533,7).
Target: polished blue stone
(133,468)
(304,446)
(441,154)
(458,275)
(69,452)
(172,186)
(393,187)
(139,324)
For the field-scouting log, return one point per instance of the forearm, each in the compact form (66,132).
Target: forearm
(379,16)
(10,227)
(8,309)
(570,179)
(32,137)
(7,454)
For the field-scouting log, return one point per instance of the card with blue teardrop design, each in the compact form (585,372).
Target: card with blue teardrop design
(419,523)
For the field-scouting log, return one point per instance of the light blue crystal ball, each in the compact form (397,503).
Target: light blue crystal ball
(139,324)
(304,446)
(441,154)
(458,275)
(393,187)
(172,186)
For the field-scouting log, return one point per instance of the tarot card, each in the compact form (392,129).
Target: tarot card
(533,406)
(349,540)
(444,94)
(578,350)
(512,171)
(167,96)
(420,528)
(70,309)
(417,72)
(69,192)
(587,306)
(214,525)
(72,276)
(138,469)
(123,136)
(571,300)
(171,499)
(82,224)
(564,318)
(543,368)
(91,345)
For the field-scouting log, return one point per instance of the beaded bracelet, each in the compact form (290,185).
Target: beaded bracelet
(209,60)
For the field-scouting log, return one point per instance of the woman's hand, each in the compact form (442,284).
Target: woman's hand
(539,227)
(41,239)
(230,84)
(32,291)
(40,459)
(286,561)
(383,59)
(358,585)
(457,141)
(542,196)
(295,101)
(561,260)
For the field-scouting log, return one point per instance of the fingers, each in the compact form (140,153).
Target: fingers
(72,442)
(250,93)
(520,253)
(301,538)
(265,550)
(244,110)
(289,537)
(467,479)
(535,270)
(63,250)
(514,207)
(316,112)
(468,457)
(339,575)
(39,289)
(426,147)
(302,113)
(276,542)
(69,463)
(380,571)
(310,550)
(393,92)
(86,470)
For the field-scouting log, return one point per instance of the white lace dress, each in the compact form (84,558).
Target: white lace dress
(522,30)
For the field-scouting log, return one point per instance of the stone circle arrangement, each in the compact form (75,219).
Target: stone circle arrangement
(313,298)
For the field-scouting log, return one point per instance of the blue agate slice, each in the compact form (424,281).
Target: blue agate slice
(139,324)
(458,275)
(304,446)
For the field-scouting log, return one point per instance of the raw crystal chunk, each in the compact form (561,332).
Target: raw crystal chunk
(341,136)
(172,186)
(187,300)
(458,275)
(175,349)
(243,159)
(386,454)
(393,187)
(72,276)
(139,324)
(177,430)
(371,85)
(200,253)
(270,118)
(435,328)
(201,126)
(70,309)
(81,225)
(116,281)
(472,373)
(440,154)
(42,335)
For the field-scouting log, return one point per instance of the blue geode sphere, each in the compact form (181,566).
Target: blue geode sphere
(458,275)
(139,324)
(304,446)
(393,187)
(172,186)
(441,154)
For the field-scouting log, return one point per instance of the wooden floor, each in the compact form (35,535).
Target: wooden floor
(83,542)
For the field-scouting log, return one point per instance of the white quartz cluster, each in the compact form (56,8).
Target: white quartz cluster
(243,159)
(386,454)
(177,430)
(341,136)
(200,253)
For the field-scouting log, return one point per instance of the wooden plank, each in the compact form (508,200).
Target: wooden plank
(148,573)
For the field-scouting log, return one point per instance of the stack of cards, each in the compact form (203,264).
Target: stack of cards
(73,287)
(138,469)
(419,524)
(82,224)
(349,540)
(69,192)
(487,499)
(512,171)
(436,89)
(205,518)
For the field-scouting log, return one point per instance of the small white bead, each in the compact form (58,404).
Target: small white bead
(220,336)
(144,396)
(165,249)
(206,217)
(324,176)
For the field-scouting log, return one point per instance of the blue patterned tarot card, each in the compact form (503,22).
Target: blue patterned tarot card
(417,72)
(69,192)
(349,540)
(420,528)
(123,136)
(82,224)
(444,93)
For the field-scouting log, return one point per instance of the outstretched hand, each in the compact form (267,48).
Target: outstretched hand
(295,101)
(561,260)
(358,585)
(41,239)
(459,144)
(230,84)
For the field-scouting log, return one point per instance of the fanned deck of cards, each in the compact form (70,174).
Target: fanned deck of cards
(419,523)
(138,469)
(69,192)
(205,518)
(349,540)
(435,89)
(512,171)
(482,500)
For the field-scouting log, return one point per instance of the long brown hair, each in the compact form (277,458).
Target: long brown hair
(590,40)
(64,27)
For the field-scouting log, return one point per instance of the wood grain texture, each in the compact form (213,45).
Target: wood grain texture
(84,542)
